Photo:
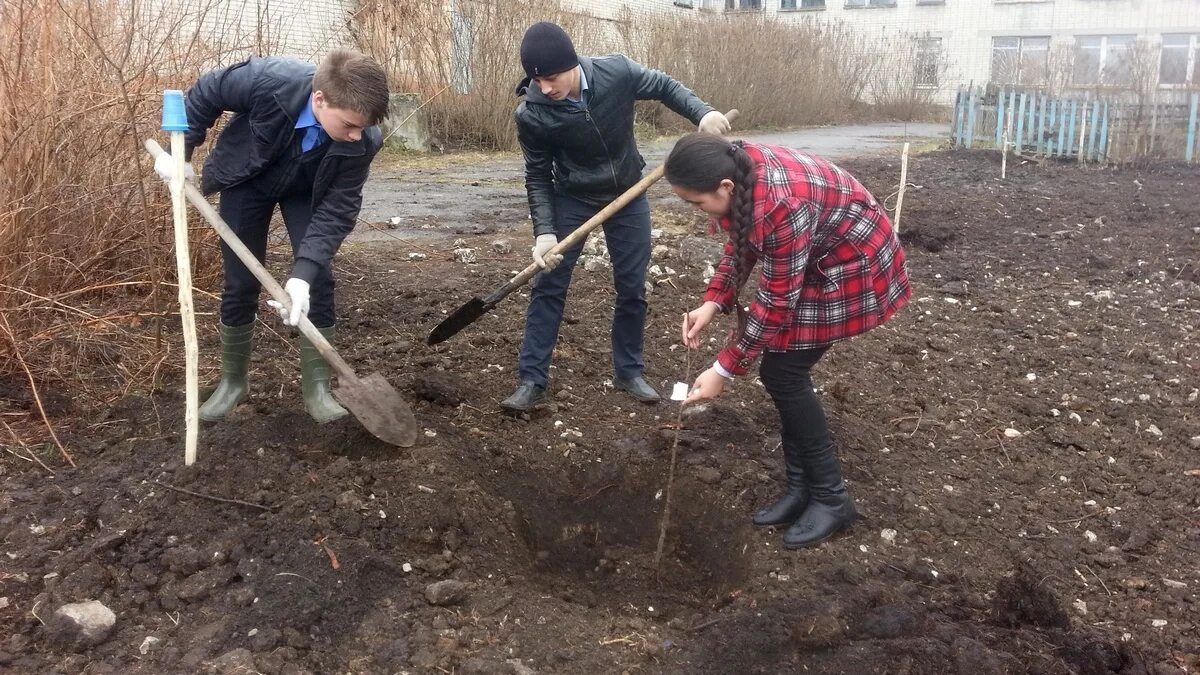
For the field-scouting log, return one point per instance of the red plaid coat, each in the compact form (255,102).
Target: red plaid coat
(831,266)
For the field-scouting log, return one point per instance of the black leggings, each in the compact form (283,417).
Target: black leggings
(804,430)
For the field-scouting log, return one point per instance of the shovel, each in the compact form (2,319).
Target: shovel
(476,307)
(376,404)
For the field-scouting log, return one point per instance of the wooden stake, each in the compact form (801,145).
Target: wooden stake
(1004,159)
(903,184)
(187,312)
(1082,130)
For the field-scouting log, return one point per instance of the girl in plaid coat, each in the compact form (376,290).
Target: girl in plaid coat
(831,268)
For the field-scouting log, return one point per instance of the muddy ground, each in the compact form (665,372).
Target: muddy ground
(1022,441)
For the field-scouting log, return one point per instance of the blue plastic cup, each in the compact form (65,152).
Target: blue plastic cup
(174,117)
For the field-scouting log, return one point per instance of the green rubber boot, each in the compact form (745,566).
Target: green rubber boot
(314,374)
(236,344)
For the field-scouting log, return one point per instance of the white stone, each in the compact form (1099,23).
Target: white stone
(1090,536)
(1011,433)
(1074,417)
(888,535)
(406,568)
(149,643)
(460,243)
(1030,376)
(1153,430)
(502,246)
(465,255)
(1054,412)
(951,301)
(82,624)
(661,252)
(1080,606)
(656,234)
(1104,295)
(1158,623)
(416,256)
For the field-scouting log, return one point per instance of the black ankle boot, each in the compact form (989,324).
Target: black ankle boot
(787,508)
(829,512)
(830,508)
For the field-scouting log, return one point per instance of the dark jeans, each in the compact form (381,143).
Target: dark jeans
(628,237)
(805,433)
(247,210)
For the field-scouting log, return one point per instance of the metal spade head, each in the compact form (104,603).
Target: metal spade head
(379,407)
(460,319)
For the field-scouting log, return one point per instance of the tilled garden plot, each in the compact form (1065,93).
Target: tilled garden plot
(1021,440)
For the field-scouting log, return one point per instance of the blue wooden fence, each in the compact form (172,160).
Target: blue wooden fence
(1084,128)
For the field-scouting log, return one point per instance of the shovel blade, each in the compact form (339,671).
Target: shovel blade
(460,319)
(380,408)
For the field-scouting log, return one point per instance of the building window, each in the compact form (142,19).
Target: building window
(853,4)
(929,62)
(931,2)
(1104,60)
(803,4)
(1177,64)
(1020,60)
(743,4)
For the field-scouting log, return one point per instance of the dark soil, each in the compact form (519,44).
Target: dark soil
(1026,426)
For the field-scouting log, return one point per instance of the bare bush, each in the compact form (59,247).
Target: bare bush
(86,262)
(464,57)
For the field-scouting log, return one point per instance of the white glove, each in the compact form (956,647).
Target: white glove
(164,166)
(297,290)
(542,246)
(714,123)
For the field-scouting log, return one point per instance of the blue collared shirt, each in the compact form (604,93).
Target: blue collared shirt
(314,135)
(582,101)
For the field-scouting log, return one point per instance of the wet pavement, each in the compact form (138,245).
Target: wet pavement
(436,198)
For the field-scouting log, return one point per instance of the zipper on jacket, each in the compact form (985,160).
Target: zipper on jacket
(587,112)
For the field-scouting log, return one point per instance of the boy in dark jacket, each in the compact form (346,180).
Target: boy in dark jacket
(302,138)
(575,127)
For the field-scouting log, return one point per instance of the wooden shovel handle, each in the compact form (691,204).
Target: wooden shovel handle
(340,367)
(602,216)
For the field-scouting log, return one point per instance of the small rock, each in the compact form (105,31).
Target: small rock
(699,252)
(660,252)
(708,475)
(265,639)
(237,661)
(1011,433)
(416,256)
(447,592)
(465,255)
(888,535)
(149,644)
(1158,623)
(1080,606)
(1104,295)
(81,625)
(595,264)
(502,246)
(460,243)
(1194,442)
(656,234)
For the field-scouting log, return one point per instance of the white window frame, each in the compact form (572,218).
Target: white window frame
(1103,74)
(923,49)
(1191,76)
(1020,53)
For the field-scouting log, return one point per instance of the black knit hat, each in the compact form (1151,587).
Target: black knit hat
(546,49)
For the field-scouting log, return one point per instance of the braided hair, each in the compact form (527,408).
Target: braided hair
(699,162)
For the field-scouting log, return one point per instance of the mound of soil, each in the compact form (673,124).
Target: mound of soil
(1021,441)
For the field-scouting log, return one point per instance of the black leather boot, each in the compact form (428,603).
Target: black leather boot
(524,398)
(788,507)
(830,507)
